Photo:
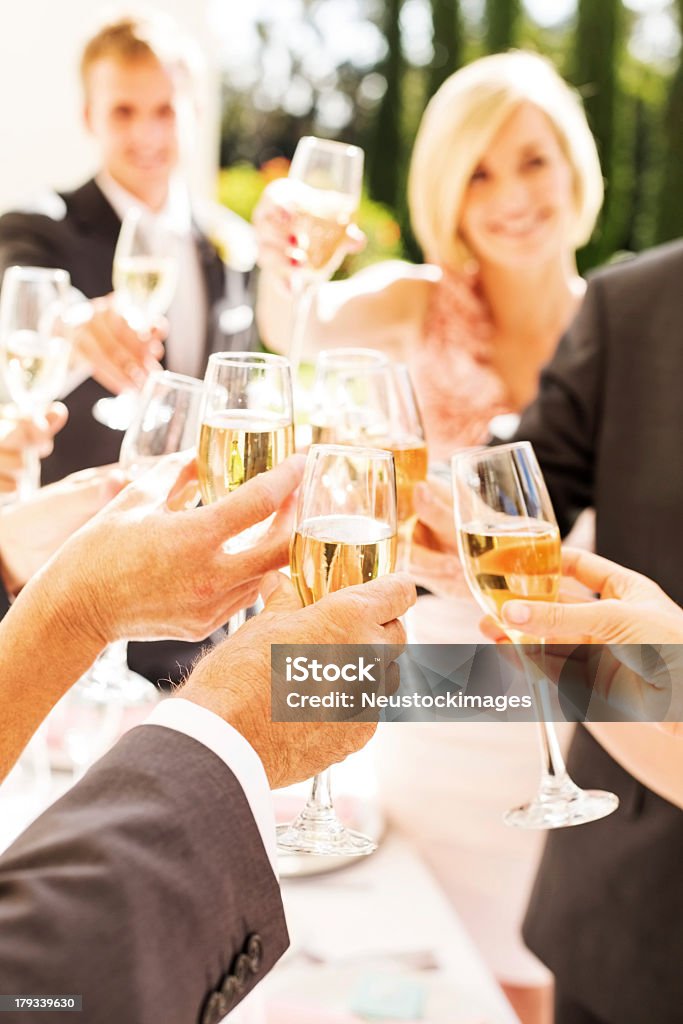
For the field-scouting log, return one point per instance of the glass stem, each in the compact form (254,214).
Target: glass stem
(553,769)
(303,293)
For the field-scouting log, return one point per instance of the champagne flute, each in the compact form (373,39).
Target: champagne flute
(370,401)
(324,189)
(509,546)
(145,275)
(166,421)
(345,535)
(247,428)
(34,349)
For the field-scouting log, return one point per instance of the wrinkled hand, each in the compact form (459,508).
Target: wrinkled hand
(149,568)
(119,358)
(17,433)
(274,220)
(32,530)
(234,679)
(434,561)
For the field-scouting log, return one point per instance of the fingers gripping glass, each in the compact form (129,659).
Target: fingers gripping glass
(345,535)
(509,546)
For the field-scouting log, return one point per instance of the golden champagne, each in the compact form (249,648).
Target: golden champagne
(35,367)
(410,461)
(144,286)
(323,433)
(520,559)
(329,553)
(238,444)
(321,217)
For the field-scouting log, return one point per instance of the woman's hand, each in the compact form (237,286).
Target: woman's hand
(274,221)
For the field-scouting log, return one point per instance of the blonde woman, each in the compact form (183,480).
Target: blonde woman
(504,185)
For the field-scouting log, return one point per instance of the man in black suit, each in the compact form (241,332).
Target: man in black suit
(138,76)
(606,913)
(149,888)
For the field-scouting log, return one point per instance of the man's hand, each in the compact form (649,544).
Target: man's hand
(148,568)
(234,679)
(118,357)
(32,530)
(274,219)
(17,433)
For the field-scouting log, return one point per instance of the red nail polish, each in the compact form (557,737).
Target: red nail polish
(292,239)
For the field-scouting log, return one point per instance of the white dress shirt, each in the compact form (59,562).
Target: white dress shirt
(227,743)
(188,312)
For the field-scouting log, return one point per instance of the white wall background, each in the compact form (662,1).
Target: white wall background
(43,140)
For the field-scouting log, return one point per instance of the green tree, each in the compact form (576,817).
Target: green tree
(385,155)
(502,24)
(670,212)
(447,41)
(597,56)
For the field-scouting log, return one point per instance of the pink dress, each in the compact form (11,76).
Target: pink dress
(458,389)
(447,785)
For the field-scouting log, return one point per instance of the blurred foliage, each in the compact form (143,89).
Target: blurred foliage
(502,18)
(397,54)
(240,189)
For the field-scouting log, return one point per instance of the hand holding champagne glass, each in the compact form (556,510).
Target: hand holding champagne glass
(323,191)
(247,428)
(345,535)
(34,349)
(145,274)
(509,546)
(166,421)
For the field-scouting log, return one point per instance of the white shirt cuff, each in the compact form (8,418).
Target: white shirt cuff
(232,748)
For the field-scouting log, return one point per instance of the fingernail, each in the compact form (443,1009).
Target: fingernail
(516,611)
(294,262)
(292,239)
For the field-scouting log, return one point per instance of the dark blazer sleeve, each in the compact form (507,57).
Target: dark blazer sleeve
(30,240)
(146,889)
(564,420)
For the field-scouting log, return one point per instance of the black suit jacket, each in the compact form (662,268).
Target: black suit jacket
(78,231)
(146,889)
(606,913)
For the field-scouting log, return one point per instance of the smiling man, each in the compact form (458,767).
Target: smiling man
(140,87)
(139,78)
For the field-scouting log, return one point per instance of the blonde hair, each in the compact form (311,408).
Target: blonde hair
(140,36)
(460,123)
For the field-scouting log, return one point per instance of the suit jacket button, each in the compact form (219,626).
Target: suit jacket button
(230,989)
(215,1009)
(254,950)
(242,971)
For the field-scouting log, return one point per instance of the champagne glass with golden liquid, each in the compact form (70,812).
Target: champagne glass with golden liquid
(247,428)
(145,275)
(362,398)
(323,192)
(34,349)
(345,535)
(509,546)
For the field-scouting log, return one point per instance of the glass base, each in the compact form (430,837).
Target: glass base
(561,807)
(322,838)
(117,413)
